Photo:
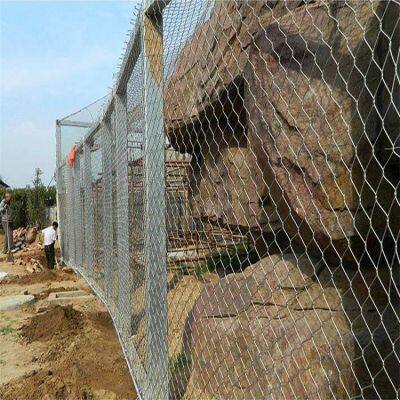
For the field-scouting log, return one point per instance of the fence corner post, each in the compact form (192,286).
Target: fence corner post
(124,240)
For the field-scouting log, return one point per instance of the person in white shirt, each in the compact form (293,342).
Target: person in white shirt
(49,238)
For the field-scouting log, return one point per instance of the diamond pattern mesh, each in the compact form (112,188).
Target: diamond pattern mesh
(236,205)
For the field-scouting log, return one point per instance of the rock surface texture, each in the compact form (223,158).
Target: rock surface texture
(290,113)
(290,89)
(310,97)
(288,327)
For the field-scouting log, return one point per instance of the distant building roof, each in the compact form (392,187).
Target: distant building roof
(3,185)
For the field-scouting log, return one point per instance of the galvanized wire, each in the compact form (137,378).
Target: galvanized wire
(236,204)
(136,171)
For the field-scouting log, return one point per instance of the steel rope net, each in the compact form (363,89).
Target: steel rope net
(289,114)
(240,217)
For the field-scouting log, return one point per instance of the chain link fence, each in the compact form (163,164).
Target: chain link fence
(236,203)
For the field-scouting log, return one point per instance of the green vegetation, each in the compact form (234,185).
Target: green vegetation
(5,330)
(179,372)
(233,259)
(37,200)
(29,204)
(179,362)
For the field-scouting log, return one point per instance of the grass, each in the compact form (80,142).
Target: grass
(179,375)
(233,259)
(6,330)
(179,362)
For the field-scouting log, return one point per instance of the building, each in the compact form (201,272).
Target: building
(3,185)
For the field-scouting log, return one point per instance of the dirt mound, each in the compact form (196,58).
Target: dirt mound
(89,366)
(57,322)
(101,321)
(39,277)
(58,384)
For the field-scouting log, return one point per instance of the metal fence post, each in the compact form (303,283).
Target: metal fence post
(88,206)
(77,211)
(58,143)
(155,237)
(70,215)
(107,208)
(124,239)
(58,185)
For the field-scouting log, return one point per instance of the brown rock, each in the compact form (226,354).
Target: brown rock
(201,78)
(213,59)
(224,188)
(30,269)
(289,88)
(302,86)
(289,327)
(31,235)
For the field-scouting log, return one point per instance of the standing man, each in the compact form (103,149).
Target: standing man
(7,221)
(49,238)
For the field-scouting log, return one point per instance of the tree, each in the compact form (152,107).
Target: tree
(29,203)
(37,201)
(51,196)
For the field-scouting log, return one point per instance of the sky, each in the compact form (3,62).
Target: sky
(55,58)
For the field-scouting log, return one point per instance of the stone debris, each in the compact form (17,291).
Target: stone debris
(31,264)
(27,248)
(31,235)
(19,234)
(25,235)
(3,275)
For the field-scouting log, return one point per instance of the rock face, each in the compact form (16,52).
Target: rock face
(211,123)
(290,88)
(210,64)
(288,110)
(310,97)
(214,198)
(290,328)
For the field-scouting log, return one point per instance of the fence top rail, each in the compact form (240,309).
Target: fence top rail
(153,9)
(67,119)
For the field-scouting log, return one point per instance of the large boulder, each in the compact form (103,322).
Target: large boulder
(290,88)
(225,186)
(310,97)
(211,64)
(289,327)
(206,66)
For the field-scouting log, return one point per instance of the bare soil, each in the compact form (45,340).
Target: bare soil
(82,359)
(44,276)
(56,323)
(52,351)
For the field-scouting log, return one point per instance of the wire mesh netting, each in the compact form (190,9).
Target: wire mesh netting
(74,126)
(136,176)
(236,204)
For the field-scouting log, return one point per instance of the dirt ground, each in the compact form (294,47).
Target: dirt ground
(58,350)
